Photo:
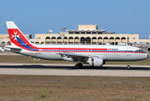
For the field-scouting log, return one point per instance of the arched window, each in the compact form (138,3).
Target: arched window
(82,40)
(65,38)
(99,37)
(88,40)
(105,37)
(8,43)
(47,37)
(42,42)
(123,39)
(47,40)
(59,38)
(53,40)
(76,40)
(53,37)
(100,41)
(3,43)
(94,40)
(111,38)
(37,42)
(106,40)
(71,40)
(118,38)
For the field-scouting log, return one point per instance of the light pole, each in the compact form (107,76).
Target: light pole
(63,34)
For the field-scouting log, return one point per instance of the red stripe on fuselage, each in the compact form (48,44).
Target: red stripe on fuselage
(85,52)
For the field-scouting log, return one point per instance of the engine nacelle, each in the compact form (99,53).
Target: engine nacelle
(95,61)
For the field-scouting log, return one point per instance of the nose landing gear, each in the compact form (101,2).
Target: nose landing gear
(128,65)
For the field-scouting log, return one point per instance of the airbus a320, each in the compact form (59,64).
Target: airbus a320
(94,55)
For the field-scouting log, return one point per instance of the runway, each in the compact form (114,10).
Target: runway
(69,70)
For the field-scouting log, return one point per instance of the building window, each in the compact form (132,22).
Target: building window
(88,40)
(76,32)
(82,32)
(70,32)
(83,40)
(88,32)
(93,32)
(99,32)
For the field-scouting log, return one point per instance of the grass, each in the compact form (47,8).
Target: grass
(26,59)
(43,93)
(56,88)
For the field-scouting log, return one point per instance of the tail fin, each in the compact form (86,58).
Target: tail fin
(17,37)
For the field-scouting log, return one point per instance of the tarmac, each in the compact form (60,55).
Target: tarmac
(69,70)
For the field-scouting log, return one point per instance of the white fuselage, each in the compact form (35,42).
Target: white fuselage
(113,53)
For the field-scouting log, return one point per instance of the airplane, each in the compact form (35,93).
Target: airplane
(93,55)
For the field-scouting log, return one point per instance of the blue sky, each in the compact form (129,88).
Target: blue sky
(38,16)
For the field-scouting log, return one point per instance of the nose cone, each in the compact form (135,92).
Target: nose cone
(146,56)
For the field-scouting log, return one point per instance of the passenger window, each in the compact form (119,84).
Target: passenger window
(140,51)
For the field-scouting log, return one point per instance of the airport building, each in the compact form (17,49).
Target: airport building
(85,34)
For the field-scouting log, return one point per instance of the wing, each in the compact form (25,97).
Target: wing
(74,57)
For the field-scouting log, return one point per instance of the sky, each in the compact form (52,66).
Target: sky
(38,16)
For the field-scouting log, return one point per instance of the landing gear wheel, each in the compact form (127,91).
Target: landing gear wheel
(79,65)
(128,65)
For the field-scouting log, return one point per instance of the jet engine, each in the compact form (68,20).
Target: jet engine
(96,62)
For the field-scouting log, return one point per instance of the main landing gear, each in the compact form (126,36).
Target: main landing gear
(128,65)
(79,65)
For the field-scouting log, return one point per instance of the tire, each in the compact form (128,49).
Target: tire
(79,65)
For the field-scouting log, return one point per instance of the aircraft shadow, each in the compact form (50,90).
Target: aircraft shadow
(72,67)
